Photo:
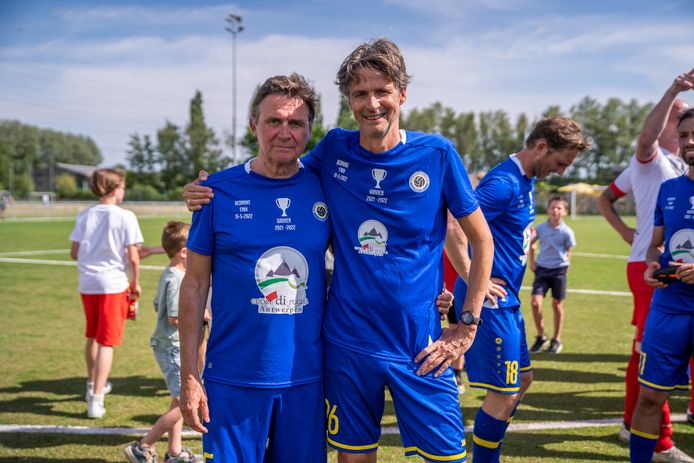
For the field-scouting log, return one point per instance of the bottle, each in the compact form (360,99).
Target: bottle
(132,308)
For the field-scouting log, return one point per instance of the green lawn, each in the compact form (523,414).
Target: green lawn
(42,380)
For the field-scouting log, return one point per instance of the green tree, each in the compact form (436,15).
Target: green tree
(203,145)
(345,118)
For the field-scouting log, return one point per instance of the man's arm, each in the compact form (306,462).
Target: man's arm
(194,290)
(456,341)
(658,117)
(606,208)
(456,248)
(133,257)
(74,250)
(653,254)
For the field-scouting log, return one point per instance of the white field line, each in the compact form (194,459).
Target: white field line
(386,430)
(14,260)
(602,256)
(35,253)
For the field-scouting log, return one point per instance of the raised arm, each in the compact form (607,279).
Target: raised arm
(658,117)
(194,290)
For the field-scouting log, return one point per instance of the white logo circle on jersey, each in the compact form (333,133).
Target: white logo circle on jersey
(419,181)
(320,211)
(373,238)
(682,246)
(281,274)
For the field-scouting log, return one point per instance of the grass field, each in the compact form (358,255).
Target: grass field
(42,380)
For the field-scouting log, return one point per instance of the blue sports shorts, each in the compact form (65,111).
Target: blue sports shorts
(499,353)
(667,346)
(269,425)
(427,408)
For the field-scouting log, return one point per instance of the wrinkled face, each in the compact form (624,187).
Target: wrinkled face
(375,102)
(555,161)
(556,211)
(686,140)
(282,129)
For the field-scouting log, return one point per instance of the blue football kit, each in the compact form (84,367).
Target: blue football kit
(500,350)
(266,238)
(668,341)
(389,218)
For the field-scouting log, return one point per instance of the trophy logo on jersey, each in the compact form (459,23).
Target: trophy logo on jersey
(281,274)
(373,238)
(691,201)
(419,182)
(682,246)
(283,203)
(378,175)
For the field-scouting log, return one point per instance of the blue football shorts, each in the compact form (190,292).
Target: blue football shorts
(667,346)
(499,353)
(427,408)
(272,425)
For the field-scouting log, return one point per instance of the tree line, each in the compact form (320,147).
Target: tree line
(159,165)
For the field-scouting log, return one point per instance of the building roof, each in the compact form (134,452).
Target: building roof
(77,169)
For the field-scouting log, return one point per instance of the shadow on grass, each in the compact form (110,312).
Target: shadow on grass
(544,374)
(576,357)
(56,441)
(72,389)
(532,445)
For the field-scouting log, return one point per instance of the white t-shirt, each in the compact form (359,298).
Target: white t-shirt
(103,233)
(643,179)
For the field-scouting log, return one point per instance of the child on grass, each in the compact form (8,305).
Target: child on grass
(556,240)
(165,343)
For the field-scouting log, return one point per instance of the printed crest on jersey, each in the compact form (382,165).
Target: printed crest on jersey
(283,204)
(682,246)
(527,241)
(419,181)
(281,274)
(320,211)
(373,238)
(691,201)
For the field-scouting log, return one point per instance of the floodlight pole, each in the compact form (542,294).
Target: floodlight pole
(234,27)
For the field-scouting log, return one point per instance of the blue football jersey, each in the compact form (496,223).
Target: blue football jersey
(675,211)
(389,219)
(506,197)
(267,239)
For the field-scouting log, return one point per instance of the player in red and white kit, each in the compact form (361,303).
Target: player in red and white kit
(656,160)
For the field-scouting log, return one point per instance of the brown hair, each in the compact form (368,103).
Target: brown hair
(104,181)
(380,55)
(560,133)
(294,86)
(174,237)
(561,199)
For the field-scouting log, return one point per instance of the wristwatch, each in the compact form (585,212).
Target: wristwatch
(468,318)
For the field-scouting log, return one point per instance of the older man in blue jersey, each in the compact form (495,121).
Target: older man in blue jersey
(498,360)
(388,191)
(262,241)
(668,341)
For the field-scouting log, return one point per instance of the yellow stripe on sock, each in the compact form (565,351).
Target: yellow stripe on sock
(352,447)
(644,434)
(495,388)
(485,443)
(205,456)
(422,453)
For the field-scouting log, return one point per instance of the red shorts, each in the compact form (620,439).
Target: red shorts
(642,296)
(106,314)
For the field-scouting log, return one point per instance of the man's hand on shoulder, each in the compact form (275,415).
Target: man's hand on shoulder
(196,196)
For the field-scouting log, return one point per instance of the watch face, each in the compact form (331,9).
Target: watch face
(467,318)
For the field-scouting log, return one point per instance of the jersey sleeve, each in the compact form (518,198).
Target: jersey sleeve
(173,287)
(133,234)
(78,231)
(457,190)
(621,186)
(495,196)
(570,238)
(314,159)
(658,219)
(201,234)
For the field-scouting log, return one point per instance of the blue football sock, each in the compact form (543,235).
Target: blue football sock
(487,437)
(641,446)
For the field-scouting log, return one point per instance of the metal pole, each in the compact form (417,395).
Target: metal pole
(234,27)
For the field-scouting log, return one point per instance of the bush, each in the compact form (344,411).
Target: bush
(143,193)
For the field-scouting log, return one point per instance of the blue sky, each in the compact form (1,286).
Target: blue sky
(108,69)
